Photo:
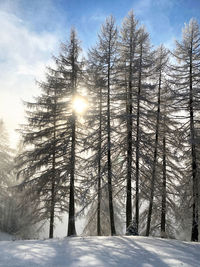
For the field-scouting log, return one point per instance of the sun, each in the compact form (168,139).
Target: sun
(79,104)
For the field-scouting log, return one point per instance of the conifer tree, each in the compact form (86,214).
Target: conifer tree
(70,70)
(169,169)
(160,61)
(135,68)
(48,164)
(128,43)
(186,82)
(95,140)
(145,61)
(40,164)
(102,60)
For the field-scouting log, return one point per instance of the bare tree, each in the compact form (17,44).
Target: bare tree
(186,82)
(160,66)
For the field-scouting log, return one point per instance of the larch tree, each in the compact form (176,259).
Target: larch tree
(186,82)
(70,70)
(48,164)
(170,171)
(134,70)
(41,163)
(127,70)
(95,145)
(95,140)
(103,59)
(144,64)
(160,66)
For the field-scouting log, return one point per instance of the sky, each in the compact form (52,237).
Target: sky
(31,32)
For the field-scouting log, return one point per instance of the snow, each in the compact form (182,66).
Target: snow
(99,251)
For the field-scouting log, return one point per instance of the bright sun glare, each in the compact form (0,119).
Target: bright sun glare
(79,104)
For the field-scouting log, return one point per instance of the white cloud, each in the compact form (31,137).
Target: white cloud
(98,17)
(141,6)
(23,57)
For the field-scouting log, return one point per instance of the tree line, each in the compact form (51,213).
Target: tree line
(133,155)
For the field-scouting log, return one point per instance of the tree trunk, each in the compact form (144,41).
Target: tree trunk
(129,170)
(71,222)
(112,221)
(163,210)
(99,170)
(138,143)
(129,142)
(51,226)
(195,233)
(154,160)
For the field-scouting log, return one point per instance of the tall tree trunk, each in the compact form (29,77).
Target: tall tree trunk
(137,171)
(195,233)
(112,221)
(129,141)
(163,209)
(51,227)
(71,222)
(99,169)
(154,160)
(129,164)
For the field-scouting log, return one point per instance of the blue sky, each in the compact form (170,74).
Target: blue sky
(31,31)
(162,18)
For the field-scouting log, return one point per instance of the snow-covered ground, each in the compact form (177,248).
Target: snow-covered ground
(119,251)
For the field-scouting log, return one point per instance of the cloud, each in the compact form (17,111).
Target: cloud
(142,6)
(98,17)
(23,57)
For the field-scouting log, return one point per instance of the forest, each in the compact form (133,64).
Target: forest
(112,138)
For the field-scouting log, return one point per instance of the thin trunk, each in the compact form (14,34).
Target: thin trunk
(71,221)
(129,164)
(163,210)
(51,227)
(194,235)
(129,141)
(112,222)
(138,144)
(99,169)
(154,160)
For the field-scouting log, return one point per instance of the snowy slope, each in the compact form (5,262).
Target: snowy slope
(99,251)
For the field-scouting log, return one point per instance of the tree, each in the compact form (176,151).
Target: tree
(128,43)
(50,137)
(144,89)
(95,140)
(70,70)
(102,60)
(161,61)
(135,69)
(40,164)
(186,81)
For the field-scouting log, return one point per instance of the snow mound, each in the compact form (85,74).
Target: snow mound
(100,251)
